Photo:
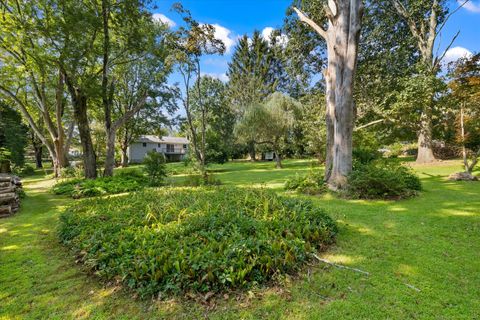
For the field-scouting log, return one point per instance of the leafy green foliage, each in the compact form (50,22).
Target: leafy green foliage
(382,180)
(195,240)
(13,136)
(84,188)
(311,183)
(155,167)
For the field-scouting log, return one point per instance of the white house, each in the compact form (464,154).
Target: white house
(174,148)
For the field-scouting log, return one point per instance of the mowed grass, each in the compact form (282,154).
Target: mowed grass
(422,255)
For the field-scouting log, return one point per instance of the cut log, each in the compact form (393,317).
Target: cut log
(8,198)
(8,189)
(5,184)
(5,211)
(4,178)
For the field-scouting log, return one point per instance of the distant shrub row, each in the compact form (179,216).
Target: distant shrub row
(177,240)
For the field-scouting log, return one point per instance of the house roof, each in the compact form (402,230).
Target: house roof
(156,139)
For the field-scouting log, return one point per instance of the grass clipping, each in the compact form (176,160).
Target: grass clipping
(209,239)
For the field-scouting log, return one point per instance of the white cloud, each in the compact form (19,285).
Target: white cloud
(472,6)
(164,19)
(224,34)
(220,76)
(267,35)
(455,53)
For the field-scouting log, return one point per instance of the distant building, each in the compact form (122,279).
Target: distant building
(174,148)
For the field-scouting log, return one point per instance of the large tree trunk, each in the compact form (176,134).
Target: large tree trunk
(81,118)
(342,37)
(425,145)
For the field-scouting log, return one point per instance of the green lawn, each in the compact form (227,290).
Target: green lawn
(423,256)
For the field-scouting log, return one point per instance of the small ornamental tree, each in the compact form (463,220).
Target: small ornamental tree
(155,167)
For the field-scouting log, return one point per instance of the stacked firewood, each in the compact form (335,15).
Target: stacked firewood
(10,190)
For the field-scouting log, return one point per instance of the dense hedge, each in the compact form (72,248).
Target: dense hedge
(175,240)
(383,180)
(119,183)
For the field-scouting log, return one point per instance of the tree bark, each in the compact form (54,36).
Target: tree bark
(278,160)
(251,151)
(124,159)
(38,150)
(79,102)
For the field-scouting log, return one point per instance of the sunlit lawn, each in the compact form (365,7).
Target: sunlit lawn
(423,256)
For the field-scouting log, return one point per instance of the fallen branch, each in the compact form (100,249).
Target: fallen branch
(340,265)
(412,287)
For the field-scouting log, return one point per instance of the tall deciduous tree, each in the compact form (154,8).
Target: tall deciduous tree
(192,42)
(219,118)
(465,88)
(342,38)
(31,79)
(426,19)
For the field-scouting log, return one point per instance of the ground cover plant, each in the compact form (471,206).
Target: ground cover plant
(203,239)
(76,188)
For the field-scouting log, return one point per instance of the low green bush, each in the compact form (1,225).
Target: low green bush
(84,188)
(26,170)
(179,240)
(382,180)
(311,183)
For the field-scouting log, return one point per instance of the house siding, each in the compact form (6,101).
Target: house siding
(137,152)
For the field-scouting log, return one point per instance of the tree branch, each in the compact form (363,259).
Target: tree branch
(322,32)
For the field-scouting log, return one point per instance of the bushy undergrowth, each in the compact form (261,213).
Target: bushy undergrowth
(382,180)
(179,240)
(83,188)
(312,183)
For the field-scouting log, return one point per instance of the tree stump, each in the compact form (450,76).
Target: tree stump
(10,190)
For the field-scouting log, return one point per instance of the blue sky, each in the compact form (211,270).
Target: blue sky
(233,18)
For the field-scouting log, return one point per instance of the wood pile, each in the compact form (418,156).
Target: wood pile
(10,190)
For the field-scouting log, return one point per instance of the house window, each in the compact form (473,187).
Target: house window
(184,146)
(159,145)
(144,144)
(170,148)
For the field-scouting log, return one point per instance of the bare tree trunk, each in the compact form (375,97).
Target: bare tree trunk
(278,159)
(38,150)
(425,143)
(124,156)
(342,37)
(251,151)
(81,118)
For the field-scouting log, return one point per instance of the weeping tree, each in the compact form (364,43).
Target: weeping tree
(270,123)
(341,32)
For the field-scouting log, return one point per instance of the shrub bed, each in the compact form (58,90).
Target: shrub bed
(382,180)
(84,188)
(311,183)
(179,240)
